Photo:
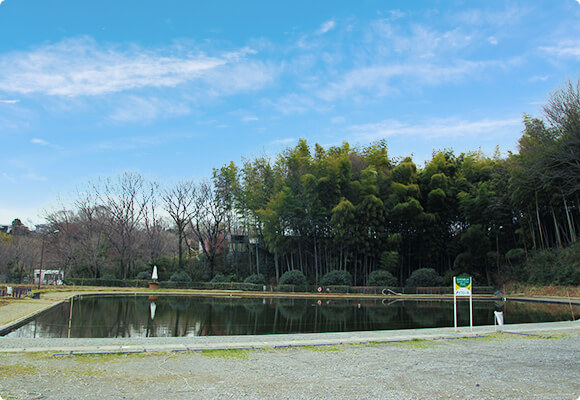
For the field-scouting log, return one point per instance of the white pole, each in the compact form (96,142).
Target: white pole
(454,307)
(471,308)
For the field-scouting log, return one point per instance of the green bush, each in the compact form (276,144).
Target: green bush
(424,277)
(382,278)
(220,278)
(293,277)
(515,256)
(256,279)
(560,267)
(336,278)
(180,276)
(143,276)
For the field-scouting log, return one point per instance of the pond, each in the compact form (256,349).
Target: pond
(181,316)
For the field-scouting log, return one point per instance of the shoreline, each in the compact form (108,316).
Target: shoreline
(18,312)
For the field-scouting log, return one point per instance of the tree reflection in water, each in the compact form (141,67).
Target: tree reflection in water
(178,316)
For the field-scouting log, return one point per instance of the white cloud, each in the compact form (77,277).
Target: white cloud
(378,79)
(33,176)
(538,78)
(1,1)
(448,127)
(9,101)
(7,177)
(284,141)
(325,27)
(564,49)
(140,109)
(250,119)
(81,67)
(39,142)
(492,40)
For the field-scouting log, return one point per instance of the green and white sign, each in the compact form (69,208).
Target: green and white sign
(462,286)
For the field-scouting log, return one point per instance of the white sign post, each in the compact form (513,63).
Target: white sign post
(462,288)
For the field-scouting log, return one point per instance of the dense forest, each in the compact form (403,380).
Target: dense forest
(351,208)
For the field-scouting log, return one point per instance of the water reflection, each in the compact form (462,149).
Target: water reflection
(179,316)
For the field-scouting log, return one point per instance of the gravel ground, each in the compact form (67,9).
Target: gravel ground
(499,366)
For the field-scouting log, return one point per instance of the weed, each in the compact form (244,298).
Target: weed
(107,357)
(325,348)
(17,369)
(238,354)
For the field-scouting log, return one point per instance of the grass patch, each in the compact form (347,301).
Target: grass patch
(325,348)
(415,343)
(237,354)
(37,356)
(105,357)
(17,369)
(485,338)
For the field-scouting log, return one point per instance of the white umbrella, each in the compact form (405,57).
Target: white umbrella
(154,275)
(153,307)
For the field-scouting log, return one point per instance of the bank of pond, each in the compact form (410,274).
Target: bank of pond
(141,316)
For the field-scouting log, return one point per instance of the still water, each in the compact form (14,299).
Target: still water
(176,316)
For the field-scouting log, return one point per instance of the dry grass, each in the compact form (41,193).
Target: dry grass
(552,290)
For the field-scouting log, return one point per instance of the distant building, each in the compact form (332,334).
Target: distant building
(49,276)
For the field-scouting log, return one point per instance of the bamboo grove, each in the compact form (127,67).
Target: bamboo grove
(352,208)
(359,209)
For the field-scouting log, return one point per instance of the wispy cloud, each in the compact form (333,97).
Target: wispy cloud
(564,49)
(146,109)
(435,128)
(378,79)
(250,118)
(9,101)
(40,142)
(538,78)
(7,177)
(82,67)
(285,141)
(325,27)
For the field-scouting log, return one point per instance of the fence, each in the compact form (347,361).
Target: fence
(279,288)
(14,291)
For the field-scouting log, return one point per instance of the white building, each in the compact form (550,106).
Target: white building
(49,276)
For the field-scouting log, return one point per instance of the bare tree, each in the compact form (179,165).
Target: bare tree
(210,223)
(179,202)
(154,225)
(126,201)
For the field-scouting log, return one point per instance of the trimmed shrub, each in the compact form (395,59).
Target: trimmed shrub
(143,276)
(336,278)
(220,278)
(293,277)
(515,256)
(424,277)
(382,278)
(180,276)
(256,279)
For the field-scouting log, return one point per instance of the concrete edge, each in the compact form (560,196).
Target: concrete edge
(154,345)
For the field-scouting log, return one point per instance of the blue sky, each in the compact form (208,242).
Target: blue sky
(172,89)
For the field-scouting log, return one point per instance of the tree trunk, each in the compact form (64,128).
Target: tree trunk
(539,223)
(556,228)
(570,226)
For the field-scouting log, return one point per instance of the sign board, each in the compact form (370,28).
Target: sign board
(462,286)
